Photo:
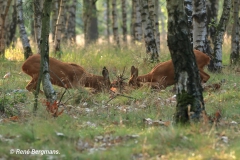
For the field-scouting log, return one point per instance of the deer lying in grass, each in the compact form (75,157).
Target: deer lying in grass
(162,75)
(66,75)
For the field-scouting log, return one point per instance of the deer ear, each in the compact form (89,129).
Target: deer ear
(105,73)
(132,70)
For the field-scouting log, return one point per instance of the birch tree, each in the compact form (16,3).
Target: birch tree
(136,21)
(4,5)
(190,102)
(44,75)
(55,9)
(37,6)
(234,56)
(108,20)
(115,23)
(218,39)
(153,15)
(23,34)
(124,20)
(200,40)
(189,13)
(149,37)
(59,29)
(71,31)
(11,26)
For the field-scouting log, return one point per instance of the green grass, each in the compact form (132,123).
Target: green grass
(92,127)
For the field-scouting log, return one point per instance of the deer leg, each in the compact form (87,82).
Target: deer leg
(32,85)
(204,76)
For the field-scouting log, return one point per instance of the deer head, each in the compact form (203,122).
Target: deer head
(66,75)
(162,75)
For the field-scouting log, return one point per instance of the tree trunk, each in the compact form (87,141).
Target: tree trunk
(156,25)
(136,21)
(59,29)
(4,10)
(37,22)
(11,27)
(212,15)
(115,23)
(90,21)
(124,20)
(190,102)
(153,15)
(234,57)
(200,41)
(189,13)
(44,69)
(72,22)
(22,30)
(108,21)
(55,11)
(218,40)
(150,42)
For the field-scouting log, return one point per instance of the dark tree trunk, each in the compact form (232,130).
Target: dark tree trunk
(11,29)
(44,75)
(234,56)
(190,102)
(90,21)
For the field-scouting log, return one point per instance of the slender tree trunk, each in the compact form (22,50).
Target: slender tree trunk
(11,27)
(90,21)
(150,42)
(218,40)
(108,21)
(115,23)
(137,21)
(72,22)
(4,5)
(44,69)
(153,15)
(37,22)
(22,30)
(124,20)
(200,41)
(157,32)
(55,11)
(190,102)
(234,57)
(59,29)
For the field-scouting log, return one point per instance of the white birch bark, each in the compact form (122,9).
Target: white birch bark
(218,40)
(200,25)
(138,33)
(22,30)
(150,43)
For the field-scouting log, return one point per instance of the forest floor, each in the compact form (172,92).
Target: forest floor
(137,125)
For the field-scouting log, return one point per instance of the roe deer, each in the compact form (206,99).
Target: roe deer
(66,75)
(162,75)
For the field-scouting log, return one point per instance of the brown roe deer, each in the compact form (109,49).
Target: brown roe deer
(162,75)
(66,75)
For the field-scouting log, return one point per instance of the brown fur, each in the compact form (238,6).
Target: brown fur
(66,75)
(162,75)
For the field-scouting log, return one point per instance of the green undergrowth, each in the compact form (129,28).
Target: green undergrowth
(103,126)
